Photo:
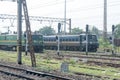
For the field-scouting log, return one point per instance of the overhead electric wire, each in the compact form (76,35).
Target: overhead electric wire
(90,8)
(53,4)
(48,4)
(77,10)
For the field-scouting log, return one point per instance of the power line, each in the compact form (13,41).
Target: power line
(35,18)
(98,16)
(95,6)
(49,4)
(90,8)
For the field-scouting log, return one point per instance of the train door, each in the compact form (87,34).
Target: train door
(82,42)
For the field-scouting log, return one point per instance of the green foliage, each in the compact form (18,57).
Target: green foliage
(104,44)
(47,30)
(95,30)
(72,62)
(117,31)
(76,31)
(48,57)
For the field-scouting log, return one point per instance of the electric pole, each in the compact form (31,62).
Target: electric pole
(19,30)
(87,27)
(69,26)
(65,17)
(105,20)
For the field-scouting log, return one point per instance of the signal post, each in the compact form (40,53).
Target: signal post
(87,27)
(113,30)
(58,39)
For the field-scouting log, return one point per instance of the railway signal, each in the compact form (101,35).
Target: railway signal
(59,27)
(113,29)
(58,39)
(58,45)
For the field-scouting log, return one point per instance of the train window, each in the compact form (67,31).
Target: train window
(60,39)
(51,39)
(76,39)
(82,37)
(73,39)
(92,37)
(46,39)
(66,39)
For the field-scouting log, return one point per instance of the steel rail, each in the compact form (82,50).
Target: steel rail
(43,74)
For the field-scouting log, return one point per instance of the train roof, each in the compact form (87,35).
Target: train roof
(63,36)
(66,35)
(15,34)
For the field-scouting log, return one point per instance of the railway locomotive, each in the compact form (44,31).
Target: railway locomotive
(9,42)
(72,42)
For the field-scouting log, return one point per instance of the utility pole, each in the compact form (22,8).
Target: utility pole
(105,20)
(87,27)
(19,30)
(69,26)
(65,17)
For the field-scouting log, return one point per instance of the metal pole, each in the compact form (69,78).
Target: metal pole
(58,51)
(65,18)
(19,30)
(26,44)
(113,27)
(58,39)
(105,21)
(69,26)
(87,39)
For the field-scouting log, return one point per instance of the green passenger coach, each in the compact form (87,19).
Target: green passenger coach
(9,42)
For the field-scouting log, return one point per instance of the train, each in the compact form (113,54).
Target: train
(71,42)
(116,42)
(40,42)
(9,42)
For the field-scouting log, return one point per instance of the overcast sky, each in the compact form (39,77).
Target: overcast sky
(81,12)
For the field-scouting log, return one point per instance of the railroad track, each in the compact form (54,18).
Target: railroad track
(112,62)
(90,56)
(108,61)
(97,76)
(94,57)
(29,74)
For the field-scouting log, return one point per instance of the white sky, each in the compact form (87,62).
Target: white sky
(81,12)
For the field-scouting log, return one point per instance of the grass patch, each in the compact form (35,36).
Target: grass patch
(50,64)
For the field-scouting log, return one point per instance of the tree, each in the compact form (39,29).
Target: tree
(117,31)
(95,31)
(47,30)
(76,31)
